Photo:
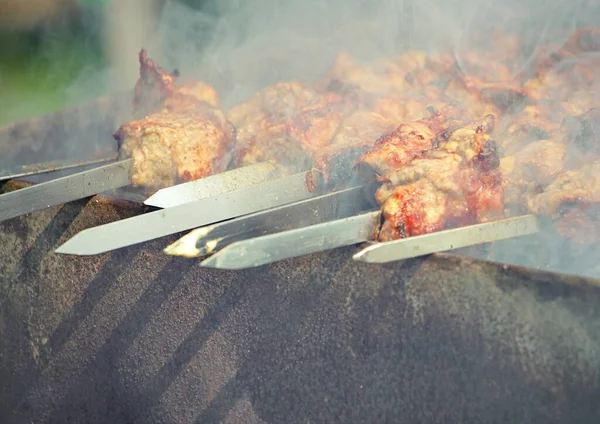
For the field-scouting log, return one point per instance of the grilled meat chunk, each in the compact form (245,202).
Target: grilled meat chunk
(528,170)
(179,135)
(267,107)
(265,121)
(385,77)
(290,139)
(397,148)
(173,147)
(155,91)
(457,183)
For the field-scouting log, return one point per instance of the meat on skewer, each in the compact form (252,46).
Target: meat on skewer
(180,136)
(456,183)
(454,139)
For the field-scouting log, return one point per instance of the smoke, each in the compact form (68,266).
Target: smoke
(243,46)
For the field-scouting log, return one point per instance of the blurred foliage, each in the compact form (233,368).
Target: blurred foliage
(38,66)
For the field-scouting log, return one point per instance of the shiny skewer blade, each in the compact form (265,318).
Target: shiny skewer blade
(224,182)
(205,240)
(164,222)
(449,239)
(117,174)
(65,189)
(47,167)
(358,229)
(271,248)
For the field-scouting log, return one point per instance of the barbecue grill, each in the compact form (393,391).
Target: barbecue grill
(136,336)
(477,334)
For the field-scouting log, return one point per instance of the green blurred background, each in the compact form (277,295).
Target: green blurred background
(41,56)
(44,53)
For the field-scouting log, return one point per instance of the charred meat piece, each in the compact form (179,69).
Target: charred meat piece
(155,91)
(582,135)
(527,171)
(533,123)
(490,80)
(407,141)
(173,147)
(359,150)
(262,129)
(417,208)
(383,77)
(457,183)
(572,201)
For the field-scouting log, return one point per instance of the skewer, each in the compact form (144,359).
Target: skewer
(205,240)
(213,185)
(65,189)
(441,241)
(289,244)
(164,222)
(47,167)
(359,229)
(117,174)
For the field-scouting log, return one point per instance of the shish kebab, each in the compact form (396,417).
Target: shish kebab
(201,164)
(438,171)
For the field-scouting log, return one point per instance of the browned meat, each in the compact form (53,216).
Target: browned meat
(180,134)
(384,77)
(455,184)
(399,147)
(261,123)
(529,169)
(168,148)
(582,135)
(268,106)
(533,167)
(172,147)
(563,71)
(156,91)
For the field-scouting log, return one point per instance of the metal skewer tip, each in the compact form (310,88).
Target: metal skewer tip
(448,240)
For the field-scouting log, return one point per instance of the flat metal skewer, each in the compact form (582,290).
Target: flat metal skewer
(359,229)
(115,175)
(47,167)
(289,244)
(448,239)
(65,189)
(164,222)
(206,240)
